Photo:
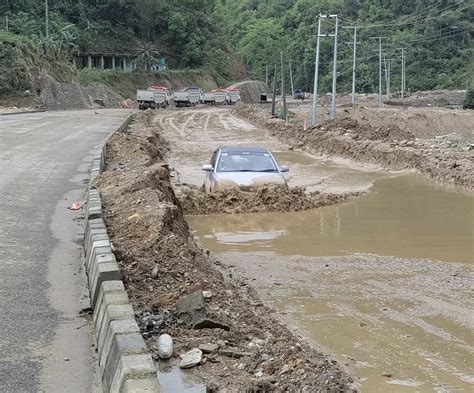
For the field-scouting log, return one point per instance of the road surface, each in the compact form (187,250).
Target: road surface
(44,162)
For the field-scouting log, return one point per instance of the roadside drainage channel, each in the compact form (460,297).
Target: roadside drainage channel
(125,364)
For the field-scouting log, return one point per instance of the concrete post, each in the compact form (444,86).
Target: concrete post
(89,61)
(124,63)
(102,62)
(113,62)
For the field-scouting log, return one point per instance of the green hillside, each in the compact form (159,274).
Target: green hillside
(206,34)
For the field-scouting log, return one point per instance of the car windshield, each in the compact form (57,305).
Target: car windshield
(246,162)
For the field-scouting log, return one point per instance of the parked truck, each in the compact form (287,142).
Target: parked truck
(221,97)
(162,96)
(195,95)
(209,98)
(234,95)
(181,98)
(145,99)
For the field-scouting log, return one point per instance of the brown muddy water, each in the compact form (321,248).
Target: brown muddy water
(384,281)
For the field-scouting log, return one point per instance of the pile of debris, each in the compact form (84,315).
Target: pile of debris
(266,199)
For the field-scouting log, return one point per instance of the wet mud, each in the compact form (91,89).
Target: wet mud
(383,281)
(447,158)
(266,199)
(166,273)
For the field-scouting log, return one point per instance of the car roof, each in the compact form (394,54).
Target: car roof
(241,149)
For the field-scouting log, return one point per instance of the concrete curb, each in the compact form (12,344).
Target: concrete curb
(22,112)
(125,364)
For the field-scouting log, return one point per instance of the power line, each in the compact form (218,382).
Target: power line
(401,22)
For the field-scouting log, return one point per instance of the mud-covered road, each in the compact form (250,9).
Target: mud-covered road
(384,281)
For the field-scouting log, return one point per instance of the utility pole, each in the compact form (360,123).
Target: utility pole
(334,71)
(291,78)
(46,17)
(403,72)
(274,91)
(314,115)
(266,74)
(283,93)
(380,67)
(354,56)
(388,78)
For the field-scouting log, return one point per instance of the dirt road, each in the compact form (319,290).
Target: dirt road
(194,134)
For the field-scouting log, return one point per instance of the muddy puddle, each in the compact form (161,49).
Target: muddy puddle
(406,216)
(173,379)
(383,281)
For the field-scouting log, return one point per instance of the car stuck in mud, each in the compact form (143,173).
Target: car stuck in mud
(243,168)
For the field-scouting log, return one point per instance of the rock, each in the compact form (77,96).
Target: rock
(259,374)
(235,354)
(221,343)
(387,375)
(228,292)
(191,358)
(165,346)
(291,147)
(206,294)
(210,324)
(190,308)
(265,357)
(208,348)
(154,272)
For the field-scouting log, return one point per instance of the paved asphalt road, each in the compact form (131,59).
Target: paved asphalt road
(45,346)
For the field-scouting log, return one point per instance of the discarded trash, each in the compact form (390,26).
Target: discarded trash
(165,346)
(75,206)
(191,358)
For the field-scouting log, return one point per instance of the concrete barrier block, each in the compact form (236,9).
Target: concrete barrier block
(115,296)
(94,252)
(122,345)
(93,232)
(114,312)
(110,286)
(106,287)
(132,367)
(96,244)
(104,271)
(104,342)
(141,386)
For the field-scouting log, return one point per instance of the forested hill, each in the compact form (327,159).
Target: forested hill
(437,35)
(188,33)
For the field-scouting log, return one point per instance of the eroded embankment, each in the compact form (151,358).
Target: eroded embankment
(165,272)
(389,146)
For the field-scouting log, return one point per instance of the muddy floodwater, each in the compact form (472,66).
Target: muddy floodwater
(384,281)
(404,216)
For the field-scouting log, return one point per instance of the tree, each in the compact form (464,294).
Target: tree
(261,44)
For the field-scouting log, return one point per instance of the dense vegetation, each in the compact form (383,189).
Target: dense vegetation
(205,33)
(437,35)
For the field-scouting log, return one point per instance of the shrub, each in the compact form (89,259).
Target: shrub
(469,99)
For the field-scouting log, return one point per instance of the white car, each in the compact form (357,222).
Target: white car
(243,168)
